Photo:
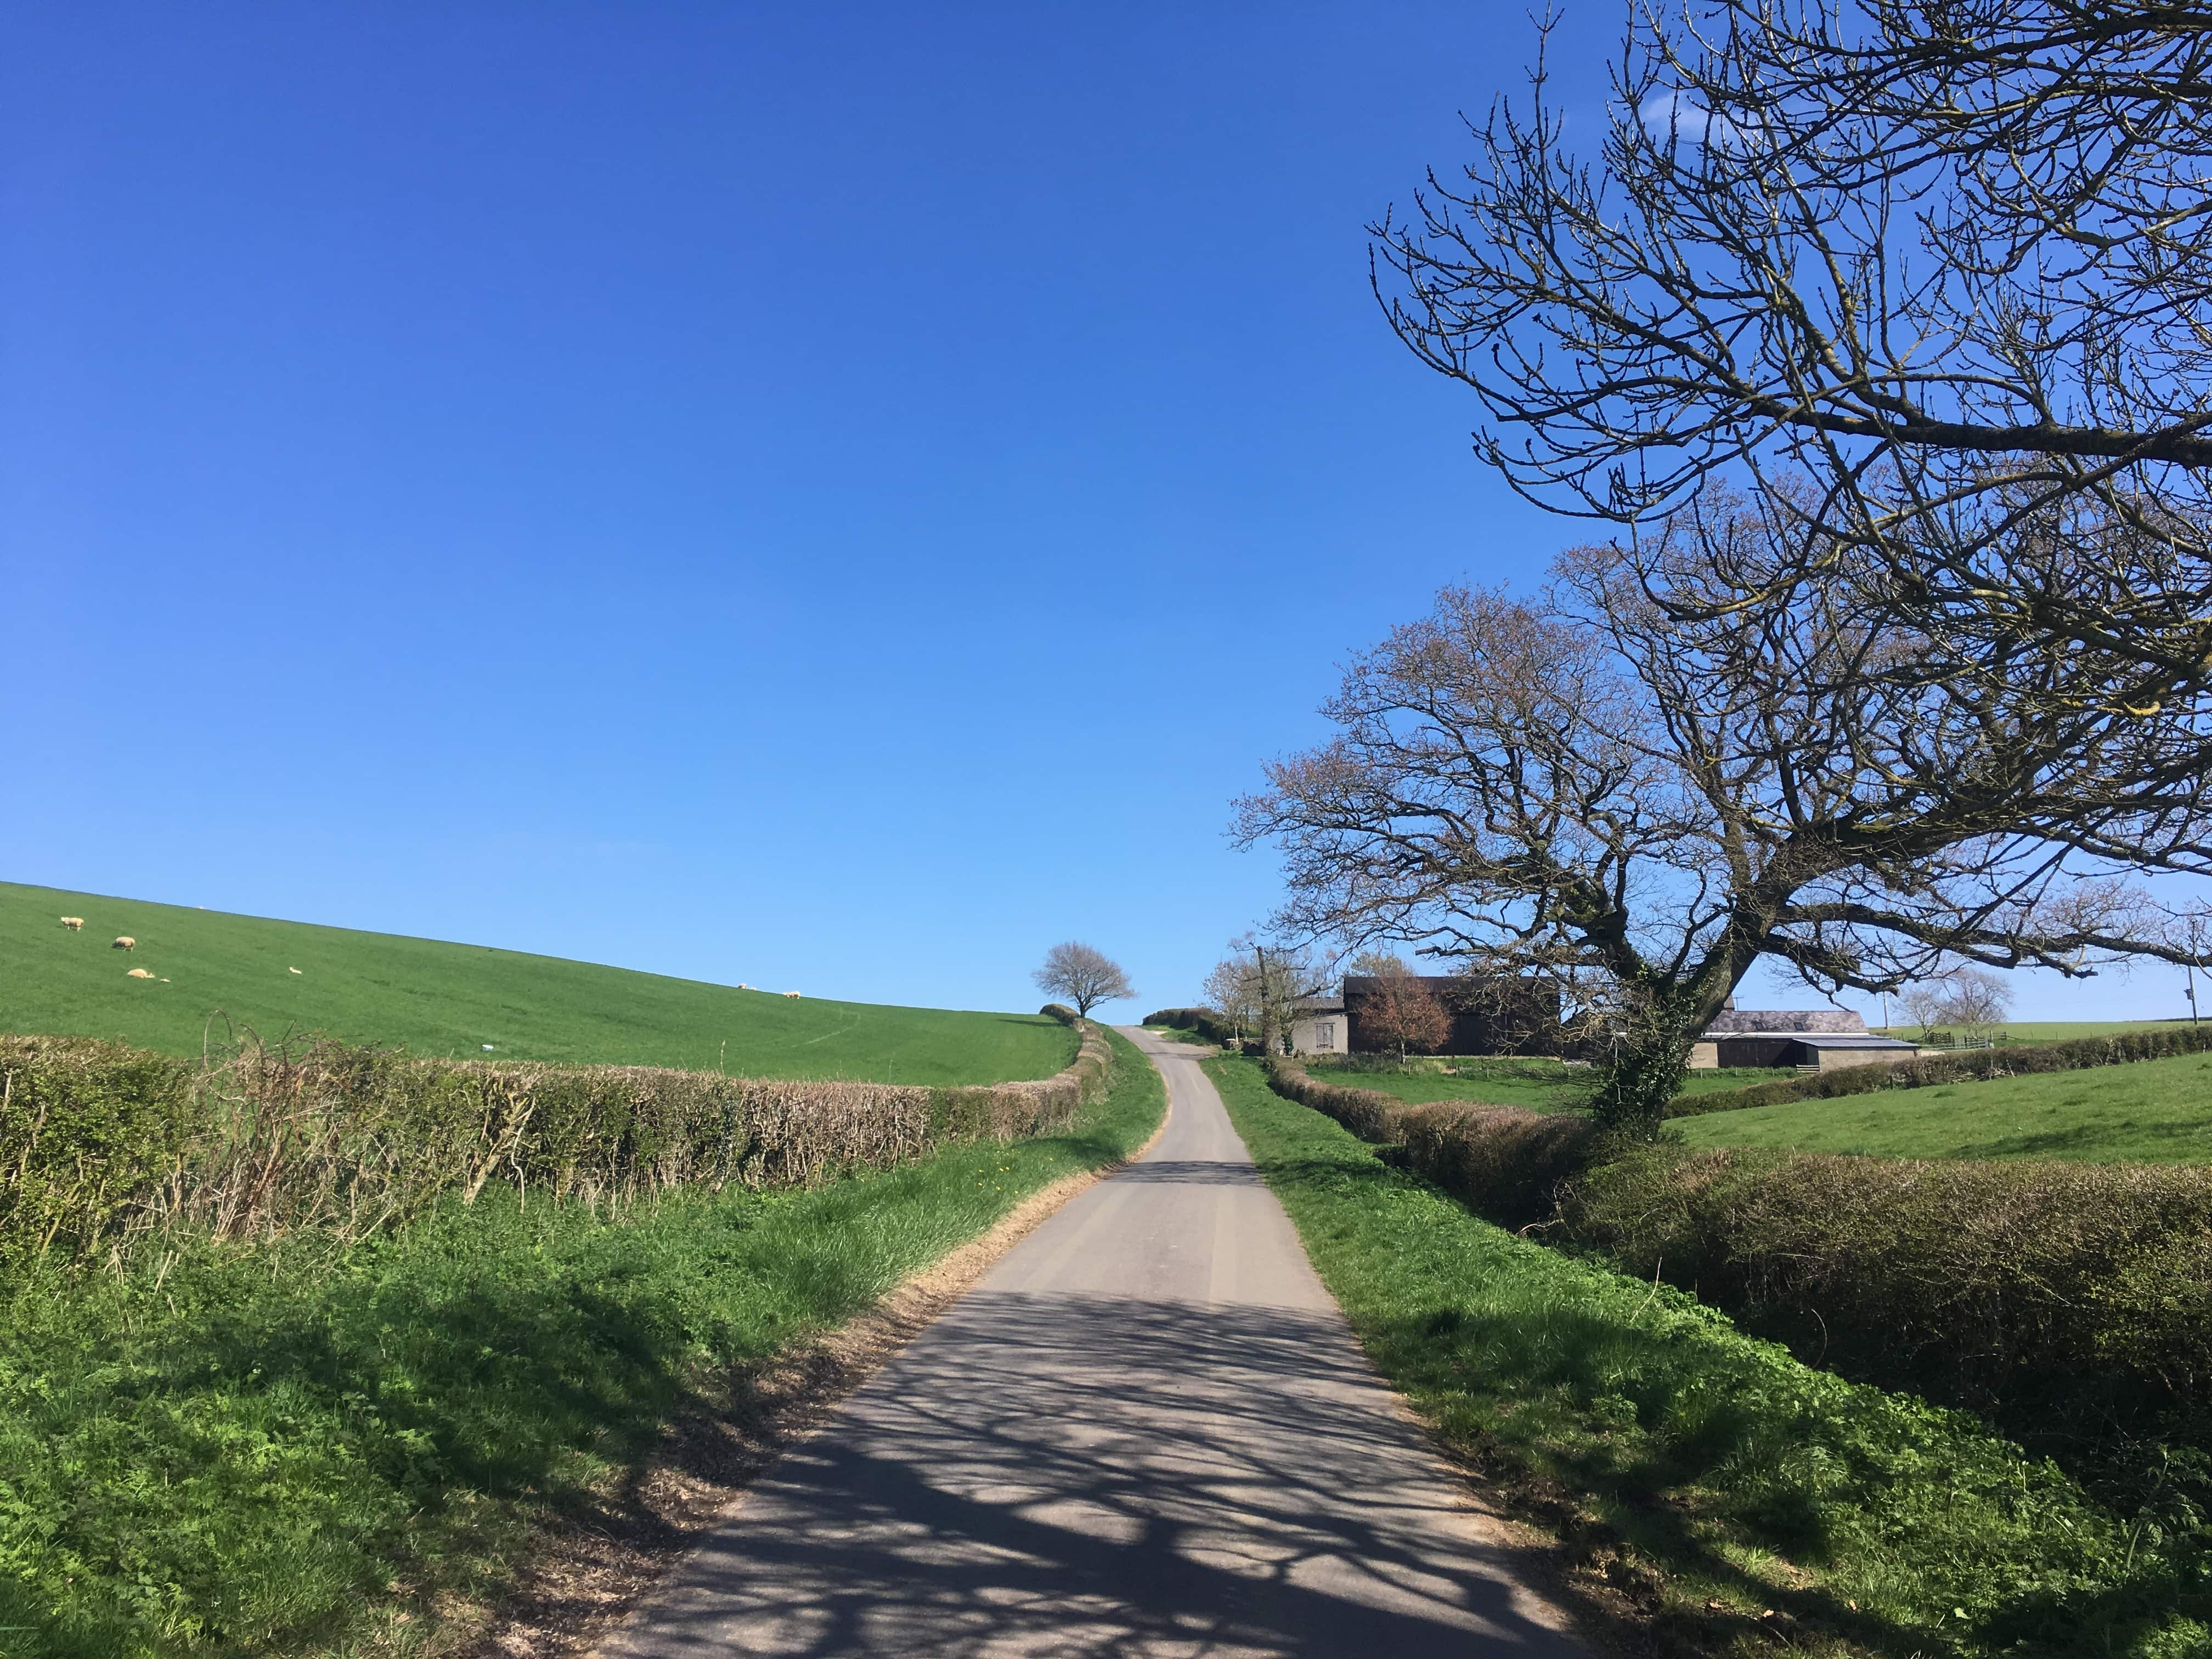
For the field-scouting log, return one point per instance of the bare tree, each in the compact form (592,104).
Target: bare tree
(1266,982)
(1950,261)
(1976,1003)
(1402,1012)
(1083,976)
(1923,1005)
(1631,792)
(1232,990)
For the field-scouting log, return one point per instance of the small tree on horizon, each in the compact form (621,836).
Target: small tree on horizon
(1084,976)
(1972,1002)
(1976,1003)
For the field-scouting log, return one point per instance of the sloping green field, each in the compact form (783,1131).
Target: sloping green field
(451,999)
(2155,1111)
(2046,1030)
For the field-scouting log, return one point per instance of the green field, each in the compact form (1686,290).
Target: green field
(1542,1085)
(451,999)
(2047,1030)
(2153,1111)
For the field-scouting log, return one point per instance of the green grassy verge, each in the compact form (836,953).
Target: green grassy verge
(298,1449)
(449,1001)
(2155,1111)
(1540,1085)
(1707,1476)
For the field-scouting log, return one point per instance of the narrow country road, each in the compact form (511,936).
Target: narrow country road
(1148,1431)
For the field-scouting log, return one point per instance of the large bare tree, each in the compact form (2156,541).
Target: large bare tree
(1636,793)
(1950,261)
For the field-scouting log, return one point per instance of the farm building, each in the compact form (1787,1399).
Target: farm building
(1488,1017)
(1318,1026)
(1829,1038)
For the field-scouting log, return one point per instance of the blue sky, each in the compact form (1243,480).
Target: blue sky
(833,497)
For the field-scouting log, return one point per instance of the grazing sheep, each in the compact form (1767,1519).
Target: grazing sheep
(124,943)
(291,970)
(791,993)
(74,924)
(137,973)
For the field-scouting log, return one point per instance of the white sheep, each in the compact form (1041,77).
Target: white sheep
(137,973)
(74,924)
(792,994)
(124,943)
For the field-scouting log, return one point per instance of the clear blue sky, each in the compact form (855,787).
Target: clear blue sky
(833,497)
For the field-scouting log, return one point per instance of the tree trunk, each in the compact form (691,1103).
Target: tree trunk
(1648,1069)
(1637,1086)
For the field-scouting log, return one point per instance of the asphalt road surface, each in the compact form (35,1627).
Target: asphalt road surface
(1147,1431)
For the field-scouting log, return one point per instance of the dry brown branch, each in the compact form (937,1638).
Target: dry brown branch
(1949,259)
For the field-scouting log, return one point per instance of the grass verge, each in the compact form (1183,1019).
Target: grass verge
(1734,1494)
(2156,1111)
(300,1448)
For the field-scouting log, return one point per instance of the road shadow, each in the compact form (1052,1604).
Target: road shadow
(1188,1172)
(1107,1475)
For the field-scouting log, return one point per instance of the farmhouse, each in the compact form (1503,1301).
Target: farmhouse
(1489,1016)
(1318,1026)
(1830,1038)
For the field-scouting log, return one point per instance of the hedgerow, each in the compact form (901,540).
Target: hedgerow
(2069,1301)
(1204,1021)
(98,1142)
(2033,1291)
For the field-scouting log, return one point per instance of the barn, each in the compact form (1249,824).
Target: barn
(1828,1038)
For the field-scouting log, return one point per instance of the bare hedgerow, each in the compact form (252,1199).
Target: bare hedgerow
(99,1142)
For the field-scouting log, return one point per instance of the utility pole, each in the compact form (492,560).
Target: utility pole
(2190,971)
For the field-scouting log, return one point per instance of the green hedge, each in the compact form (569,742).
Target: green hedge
(2035,1292)
(99,1141)
(2019,1060)
(87,1129)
